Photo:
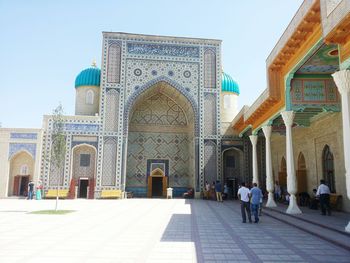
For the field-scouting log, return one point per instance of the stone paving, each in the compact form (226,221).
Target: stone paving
(152,230)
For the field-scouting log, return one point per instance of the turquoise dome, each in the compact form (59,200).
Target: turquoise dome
(89,77)
(228,84)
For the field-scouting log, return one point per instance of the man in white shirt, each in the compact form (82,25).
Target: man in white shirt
(243,195)
(323,193)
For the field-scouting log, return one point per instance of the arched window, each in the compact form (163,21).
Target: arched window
(113,70)
(227,102)
(24,170)
(328,167)
(209,69)
(301,162)
(89,99)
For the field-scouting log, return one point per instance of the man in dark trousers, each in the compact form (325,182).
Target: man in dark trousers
(323,193)
(30,190)
(218,191)
(255,202)
(243,195)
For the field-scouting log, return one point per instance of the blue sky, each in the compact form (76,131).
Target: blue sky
(45,44)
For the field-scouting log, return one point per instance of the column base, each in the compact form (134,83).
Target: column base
(270,201)
(347,228)
(293,206)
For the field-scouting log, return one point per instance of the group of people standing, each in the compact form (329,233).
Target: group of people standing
(214,191)
(37,193)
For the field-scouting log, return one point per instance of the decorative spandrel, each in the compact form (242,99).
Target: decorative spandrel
(314,93)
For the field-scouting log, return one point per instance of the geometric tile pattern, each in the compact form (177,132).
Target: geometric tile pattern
(210,125)
(17,147)
(210,161)
(159,110)
(209,69)
(112,110)
(163,146)
(29,136)
(113,73)
(151,69)
(83,171)
(109,162)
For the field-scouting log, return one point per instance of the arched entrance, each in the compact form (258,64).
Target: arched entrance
(82,183)
(301,174)
(232,163)
(282,175)
(160,135)
(21,172)
(157,183)
(328,168)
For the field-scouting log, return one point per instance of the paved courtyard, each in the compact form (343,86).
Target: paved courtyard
(152,230)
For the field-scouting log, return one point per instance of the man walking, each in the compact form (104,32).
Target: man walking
(323,193)
(243,195)
(255,201)
(218,191)
(30,190)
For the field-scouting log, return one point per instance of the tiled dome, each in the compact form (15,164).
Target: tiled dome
(228,84)
(89,77)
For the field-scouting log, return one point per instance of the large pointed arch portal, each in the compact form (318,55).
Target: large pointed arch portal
(160,130)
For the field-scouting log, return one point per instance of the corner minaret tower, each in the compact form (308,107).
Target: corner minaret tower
(229,98)
(87,86)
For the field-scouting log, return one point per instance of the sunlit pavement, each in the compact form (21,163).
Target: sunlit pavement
(152,230)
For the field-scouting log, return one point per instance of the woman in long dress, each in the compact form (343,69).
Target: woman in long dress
(39,187)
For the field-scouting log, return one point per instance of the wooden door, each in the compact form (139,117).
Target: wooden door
(16,185)
(301,180)
(282,179)
(91,188)
(165,185)
(71,193)
(149,192)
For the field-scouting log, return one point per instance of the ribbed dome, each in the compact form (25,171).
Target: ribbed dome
(89,77)
(228,84)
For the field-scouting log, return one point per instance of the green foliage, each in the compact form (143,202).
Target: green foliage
(58,148)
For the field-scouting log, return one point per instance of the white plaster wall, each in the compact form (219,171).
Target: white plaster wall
(81,108)
(228,114)
(4,155)
(326,129)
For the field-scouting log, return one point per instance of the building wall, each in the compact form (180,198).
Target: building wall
(12,142)
(324,130)
(164,146)
(81,107)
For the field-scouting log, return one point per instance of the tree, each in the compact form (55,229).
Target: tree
(58,146)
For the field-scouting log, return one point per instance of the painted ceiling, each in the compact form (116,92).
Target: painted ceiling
(324,61)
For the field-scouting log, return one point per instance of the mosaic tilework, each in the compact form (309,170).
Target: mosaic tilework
(83,171)
(159,110)
(209,69)
(26,136)
(210,123)
(80,127)
(112,110)
(17,147)
(172,147)
(150,69)
(114,55)
(55,177)
(109,162)
(163,50)
(131,100)
(210,161)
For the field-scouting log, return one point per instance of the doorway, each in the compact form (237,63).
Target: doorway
(157,186)
(20,185)
(83,187)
